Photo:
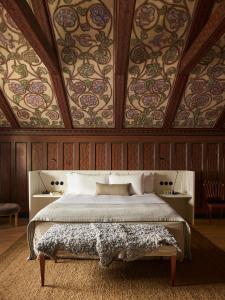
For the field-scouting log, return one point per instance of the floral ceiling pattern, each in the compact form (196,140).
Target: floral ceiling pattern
(84,36)
(158,38)
(3,121)
(204,96)
(24,80)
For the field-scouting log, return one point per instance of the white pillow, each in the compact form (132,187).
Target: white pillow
(136,181)
(84,184)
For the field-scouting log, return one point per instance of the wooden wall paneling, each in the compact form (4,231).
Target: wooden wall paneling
(52,156)
(212,158)
(124,161)
(76,164)
(38,156)
(68,156)
(221,163)
(188,156)
(84,149)
(108,156)
(21,179)
(92,156)
(101,156)
(164,156)
(117,156)
(5,172)
(148,156)
(140,156)
(13,169)
(197,166)
(132,156)
(180,156)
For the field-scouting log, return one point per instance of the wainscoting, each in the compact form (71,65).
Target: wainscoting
(20,154)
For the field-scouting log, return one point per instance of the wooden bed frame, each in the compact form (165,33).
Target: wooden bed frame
(172,254)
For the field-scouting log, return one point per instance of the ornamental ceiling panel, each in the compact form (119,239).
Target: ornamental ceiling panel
(158,38)
(3,121)
(24,79)
(84,37)
(204,96)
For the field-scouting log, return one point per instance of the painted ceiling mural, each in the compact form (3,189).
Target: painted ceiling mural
(24,80)
(3,121)
(84,37)
(204,96)
(158,37)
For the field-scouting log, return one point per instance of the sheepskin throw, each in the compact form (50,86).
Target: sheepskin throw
(105,240)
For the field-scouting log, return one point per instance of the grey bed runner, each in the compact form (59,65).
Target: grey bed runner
(105,240)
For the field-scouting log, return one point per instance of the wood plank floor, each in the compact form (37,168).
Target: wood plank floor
(214,232)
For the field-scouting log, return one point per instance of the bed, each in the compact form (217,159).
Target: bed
(80,205)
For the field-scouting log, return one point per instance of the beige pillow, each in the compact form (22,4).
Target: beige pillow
(113,189)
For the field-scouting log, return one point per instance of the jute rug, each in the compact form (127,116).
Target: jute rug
(201,279)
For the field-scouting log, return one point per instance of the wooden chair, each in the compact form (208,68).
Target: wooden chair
(214,192)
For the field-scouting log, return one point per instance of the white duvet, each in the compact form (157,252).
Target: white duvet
(110,200)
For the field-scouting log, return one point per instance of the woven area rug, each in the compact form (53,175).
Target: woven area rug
(201,279)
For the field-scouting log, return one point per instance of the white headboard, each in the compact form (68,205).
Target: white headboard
(41,180)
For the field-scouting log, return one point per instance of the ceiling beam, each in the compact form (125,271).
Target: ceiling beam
(24,18)
(124,11)
(40,12)
(207,37)
(4,105)
(201,15)
(38,35)
(220,123)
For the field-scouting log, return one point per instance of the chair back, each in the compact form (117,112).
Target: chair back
(213,189)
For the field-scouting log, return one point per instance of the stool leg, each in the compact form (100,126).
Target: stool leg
(16,219)
(42,268)
(10,219)
(173,261)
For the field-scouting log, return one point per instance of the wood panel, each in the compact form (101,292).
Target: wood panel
(117,156)
(179,159)
(100,156)
(52,155)
(5,172)
(164,156)
(68,156)
(85,161)
(38,156)
(149,156)
(212,161)
(19,154)
(133,156)
(21,179)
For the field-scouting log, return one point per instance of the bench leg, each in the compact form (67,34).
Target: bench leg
(42,268)
(173,261)
(10,219)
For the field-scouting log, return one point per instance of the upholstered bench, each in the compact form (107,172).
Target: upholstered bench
(10,209)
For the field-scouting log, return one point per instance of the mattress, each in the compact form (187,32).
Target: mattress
(147,208)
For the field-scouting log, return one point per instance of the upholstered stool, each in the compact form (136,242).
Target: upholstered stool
(10,209)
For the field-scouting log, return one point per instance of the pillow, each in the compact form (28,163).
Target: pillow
(84,184)
(149,183)
(113,189)
(135,180)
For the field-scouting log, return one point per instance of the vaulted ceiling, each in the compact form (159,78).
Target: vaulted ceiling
(112,65)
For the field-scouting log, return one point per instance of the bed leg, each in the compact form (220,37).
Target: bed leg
(42,268)
(173,261)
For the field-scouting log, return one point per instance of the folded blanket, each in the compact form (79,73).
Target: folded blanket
(106,240)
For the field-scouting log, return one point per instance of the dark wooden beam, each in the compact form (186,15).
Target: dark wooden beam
(207,37)
(23,16)
(201,15)
(220,123)
(8,112)
(41,14)
(124,12)
(38,33)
